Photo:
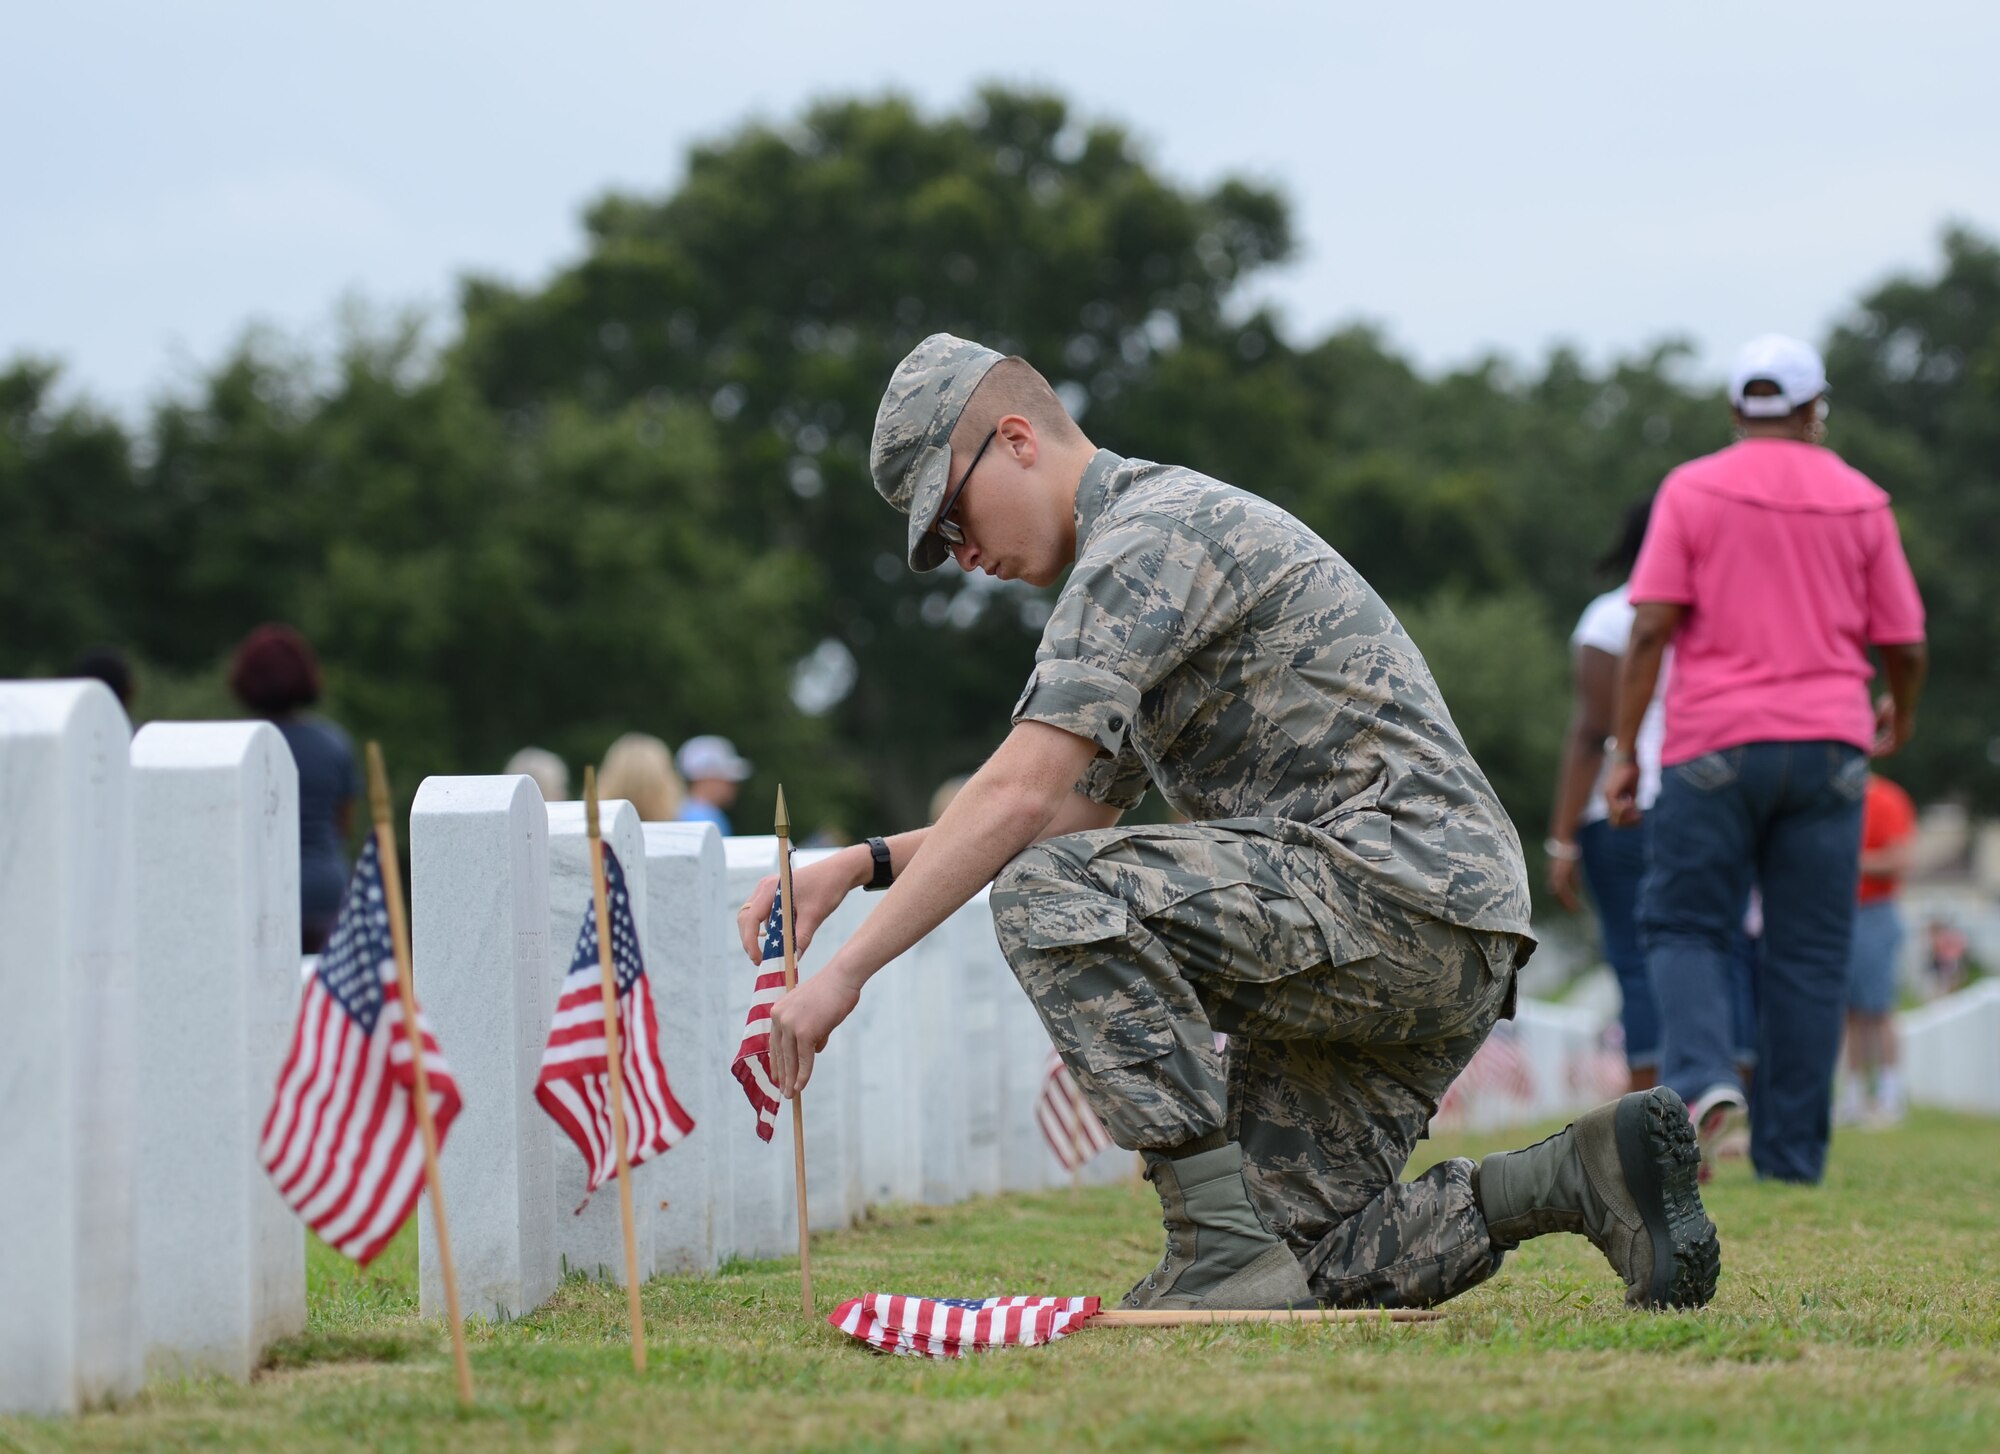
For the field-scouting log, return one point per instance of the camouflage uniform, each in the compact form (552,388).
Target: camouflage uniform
(1348,904)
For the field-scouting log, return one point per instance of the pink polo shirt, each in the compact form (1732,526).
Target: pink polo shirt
(1789,564)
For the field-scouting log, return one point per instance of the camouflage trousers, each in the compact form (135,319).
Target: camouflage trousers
(1348,1017)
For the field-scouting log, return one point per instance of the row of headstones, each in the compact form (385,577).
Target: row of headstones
(926,1094)
(149,974)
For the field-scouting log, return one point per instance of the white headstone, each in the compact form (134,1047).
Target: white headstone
(69,1303)
(1026,1162)
(479,932)
(215,833)
(765,1217)
(937,990)
(686,931)
(884,1031)
(833,1101)
(983,978)
(592,1240)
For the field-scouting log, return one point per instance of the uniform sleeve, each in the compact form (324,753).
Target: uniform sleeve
(1665,568)
(1895,610)
(1117,782)
(1146,594)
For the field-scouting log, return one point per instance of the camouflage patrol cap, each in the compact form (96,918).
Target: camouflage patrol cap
(910,457)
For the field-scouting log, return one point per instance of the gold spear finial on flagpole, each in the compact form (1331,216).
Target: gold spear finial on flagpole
(614,1068)
(783,828)
(399,934)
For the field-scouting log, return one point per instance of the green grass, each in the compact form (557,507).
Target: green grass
(1859,1315)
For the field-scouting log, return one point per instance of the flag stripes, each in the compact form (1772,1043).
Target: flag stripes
(752,1066)
(574,1085)
(341,1140)
(952,1327)
(1068,1124)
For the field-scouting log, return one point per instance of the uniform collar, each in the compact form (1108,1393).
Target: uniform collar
(1093,493)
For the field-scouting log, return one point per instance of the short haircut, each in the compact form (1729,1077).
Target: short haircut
(275,671)
(1013,386)
(108,665)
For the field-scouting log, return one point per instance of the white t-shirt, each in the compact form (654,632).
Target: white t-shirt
(1606,624)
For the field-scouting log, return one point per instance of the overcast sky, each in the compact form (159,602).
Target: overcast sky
(1470,177)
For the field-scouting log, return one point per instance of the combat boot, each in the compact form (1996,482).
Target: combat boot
(1626,1176)
(1219,1252)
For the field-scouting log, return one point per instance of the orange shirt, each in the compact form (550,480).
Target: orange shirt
(1887,818)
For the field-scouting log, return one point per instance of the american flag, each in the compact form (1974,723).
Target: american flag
(1498,1070)
(951,1327)
(753,1056)
(574,1086)
(342,1141)
(1069,1126)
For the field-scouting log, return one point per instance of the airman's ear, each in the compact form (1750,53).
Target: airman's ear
(1017,437)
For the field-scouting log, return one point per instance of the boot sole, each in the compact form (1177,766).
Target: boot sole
(1661,1159)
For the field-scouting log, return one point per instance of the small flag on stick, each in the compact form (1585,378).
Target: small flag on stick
(1068,1124)
(752,1066)
(951,1327)
(353,1133)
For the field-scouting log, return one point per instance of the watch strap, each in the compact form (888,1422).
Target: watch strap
(878,849)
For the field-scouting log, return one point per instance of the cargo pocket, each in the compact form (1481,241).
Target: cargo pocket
(1106,1011)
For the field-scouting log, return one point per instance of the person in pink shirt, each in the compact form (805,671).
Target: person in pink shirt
(1770,567)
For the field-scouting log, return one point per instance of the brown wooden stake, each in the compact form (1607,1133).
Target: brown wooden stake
(784,832)
(1190,1317)
(614,1066)
(399,933)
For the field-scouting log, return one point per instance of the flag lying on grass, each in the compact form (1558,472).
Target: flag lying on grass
(341,1140)
(574,1086)
(951,1327)
(753,1057)
(1068,1124)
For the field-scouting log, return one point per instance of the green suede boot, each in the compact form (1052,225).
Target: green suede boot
(1626,1176)
(1219,1252)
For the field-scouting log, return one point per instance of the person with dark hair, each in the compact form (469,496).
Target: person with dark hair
(107,664)
(1771,567)
(276,676)
(1582,844)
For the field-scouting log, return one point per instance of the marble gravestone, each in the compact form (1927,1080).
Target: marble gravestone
(688,929)
(983,976)
(589,1235)
(936,987)
(480,947)
(833,1100)
(884,1030)
(215,832)
(70,1331)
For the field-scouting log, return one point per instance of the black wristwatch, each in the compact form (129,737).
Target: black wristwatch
(879,851)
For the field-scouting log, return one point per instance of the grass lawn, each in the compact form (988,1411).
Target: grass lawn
(1859,1315)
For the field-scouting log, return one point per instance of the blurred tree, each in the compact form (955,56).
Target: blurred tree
(778,287)
(1916,396)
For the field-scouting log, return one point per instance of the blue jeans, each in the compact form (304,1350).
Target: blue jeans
(1787,816)
(1614,866)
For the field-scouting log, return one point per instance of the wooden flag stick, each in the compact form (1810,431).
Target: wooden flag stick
(784,832)
(399,933)
(614,1067)
(1190,1317)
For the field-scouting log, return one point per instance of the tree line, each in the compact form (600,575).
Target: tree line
(634,495)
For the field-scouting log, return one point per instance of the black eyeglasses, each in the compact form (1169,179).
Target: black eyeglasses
(947,529)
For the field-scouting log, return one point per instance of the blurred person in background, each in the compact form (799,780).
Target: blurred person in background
(551,773)
(1873,1090)
(1582,844)
(1949,947)
(714,776)
(1611,861)
(276,676)
(1770,567)
(640,769)
(108,665)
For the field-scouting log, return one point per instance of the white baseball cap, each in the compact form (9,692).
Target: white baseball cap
(1793,366)
(711,757)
